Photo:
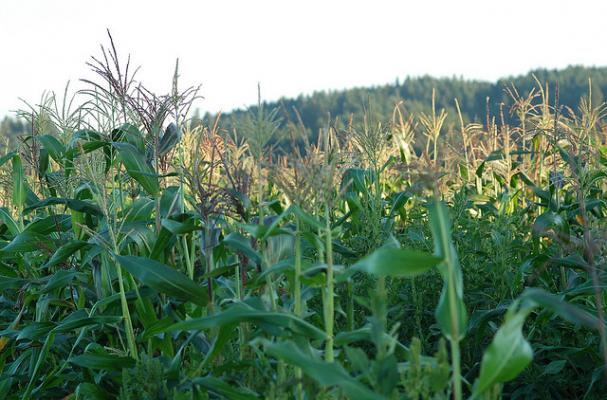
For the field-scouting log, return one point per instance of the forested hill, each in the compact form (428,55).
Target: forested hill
(416,93)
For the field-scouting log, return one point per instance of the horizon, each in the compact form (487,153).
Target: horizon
(197,109)
(229,49)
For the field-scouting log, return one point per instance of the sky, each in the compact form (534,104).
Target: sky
(290,47)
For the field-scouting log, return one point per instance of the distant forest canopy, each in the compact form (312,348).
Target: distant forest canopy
(341,106)
(378,102)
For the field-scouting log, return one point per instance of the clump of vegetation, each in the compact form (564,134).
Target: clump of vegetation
(147,256)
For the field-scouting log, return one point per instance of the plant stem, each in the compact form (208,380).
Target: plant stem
(128,324)
(186,256)
(208,255)
(329,305)
(350,305)
(297,278)
(454,335)
(299,395)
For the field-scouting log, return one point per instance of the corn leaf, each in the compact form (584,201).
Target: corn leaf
(508,354)
(396,263)
(137,167)
(164,279)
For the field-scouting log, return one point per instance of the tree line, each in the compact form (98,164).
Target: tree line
(479,101)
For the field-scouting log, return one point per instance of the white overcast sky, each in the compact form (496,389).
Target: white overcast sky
(291,47)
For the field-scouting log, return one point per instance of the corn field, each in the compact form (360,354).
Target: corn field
(143,257)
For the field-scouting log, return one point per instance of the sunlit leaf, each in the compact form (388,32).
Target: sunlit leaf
(508,354)
(396,263)
(451,311)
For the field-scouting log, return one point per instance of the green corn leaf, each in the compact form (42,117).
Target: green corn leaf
(64,252)
(30,196)
(238,242)
(171,137)
(508,354)
(137,167)
(225,334)
(180,228)
(398,201)
(542,194)
(54,147)
(367,334)
(555,367)
(73,204)
(61,279)
(451,310)
(550,220)
(264,231)
(396,263)
(281,267)
(50,339)
(8,156)
(164,240)
(19,184)
(78,221)
(326,374)
(164,279)
(140,210)
(87,390)
(444,314)
(129,133)
(35,330)
(84,135)
(223,388)
(26,242)
(44,162)
(9,282)
(571,261)
(81,320)
(10,370)
(103,361)
(239,314)
(562,308)
(50,224)
(305,217)
(8,220)
(170,201)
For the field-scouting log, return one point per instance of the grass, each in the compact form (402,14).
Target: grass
(144,257)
